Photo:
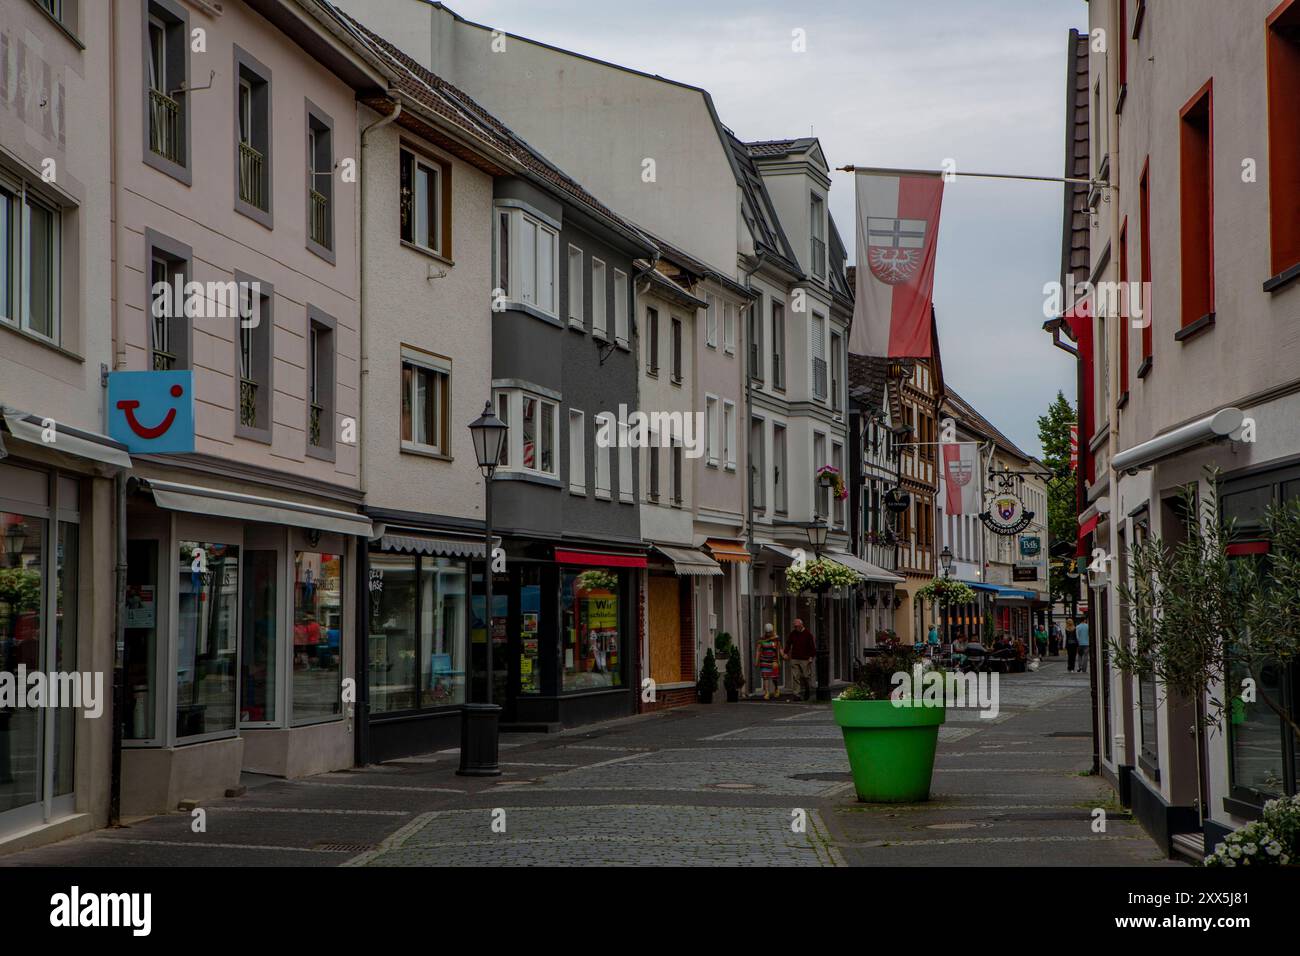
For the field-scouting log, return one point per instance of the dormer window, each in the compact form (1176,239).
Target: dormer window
(817,213)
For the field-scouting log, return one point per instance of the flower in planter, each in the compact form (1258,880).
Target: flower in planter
(830,475)
(821,574)
(946,592)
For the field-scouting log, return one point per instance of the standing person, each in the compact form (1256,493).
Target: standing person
(1071,644)
(1040,640)
(1054,640)
(769,663)
(800,650)
(1082,638)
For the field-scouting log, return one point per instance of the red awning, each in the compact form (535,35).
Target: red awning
(1249,547)
(599,559)
(1089,526)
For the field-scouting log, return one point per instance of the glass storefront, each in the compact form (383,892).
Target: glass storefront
(259,639)
(590,629)
(317,635)
(418,623)
(142,624)
(22,595)
(207,627)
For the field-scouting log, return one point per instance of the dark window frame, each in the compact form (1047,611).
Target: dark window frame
(318,121)
(174,252)
(176,19)
(258,75)
(323,324)
(263,361)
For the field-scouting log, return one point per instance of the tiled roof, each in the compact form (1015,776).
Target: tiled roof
(867,377)
(780,147)
(758,211)
(1075,254)
(452,104)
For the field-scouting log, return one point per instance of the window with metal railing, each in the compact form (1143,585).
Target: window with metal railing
(166,73)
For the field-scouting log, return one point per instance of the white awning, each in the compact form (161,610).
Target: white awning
(865,568)
(433,545)
(1221,424)
(779,549)
(66,440)
(688,561)
(228,504)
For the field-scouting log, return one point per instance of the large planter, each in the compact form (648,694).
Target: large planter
(891,749)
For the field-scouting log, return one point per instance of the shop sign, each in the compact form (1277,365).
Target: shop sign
(140,605)
(1006,514)
(152,412)
(1031,545)
(1024,574)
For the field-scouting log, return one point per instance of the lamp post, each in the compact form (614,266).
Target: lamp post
(945,559)
(479,727)
(15,540)
(817,531)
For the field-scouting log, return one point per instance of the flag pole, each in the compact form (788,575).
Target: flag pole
(1099,183)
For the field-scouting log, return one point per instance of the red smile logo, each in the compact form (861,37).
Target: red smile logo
(129,406)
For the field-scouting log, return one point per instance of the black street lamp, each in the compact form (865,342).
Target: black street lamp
(15,540)
(479,729)
(817,531)
(945,559)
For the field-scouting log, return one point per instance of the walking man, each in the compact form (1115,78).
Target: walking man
(1071,644)
(1081,636)
(800,651)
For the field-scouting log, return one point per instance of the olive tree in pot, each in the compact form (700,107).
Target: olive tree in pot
(1205,624)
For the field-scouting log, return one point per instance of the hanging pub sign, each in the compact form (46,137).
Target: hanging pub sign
(1007,514)
(896,499)
(1031,546)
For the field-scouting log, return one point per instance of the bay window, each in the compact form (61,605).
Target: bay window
(532,447)
(528,260)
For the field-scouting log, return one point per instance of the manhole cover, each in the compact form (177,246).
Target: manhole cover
(343,847)
(954,826)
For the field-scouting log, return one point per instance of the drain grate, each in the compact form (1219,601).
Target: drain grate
(344,847)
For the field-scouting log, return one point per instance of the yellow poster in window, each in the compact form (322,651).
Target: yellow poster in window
(602,613)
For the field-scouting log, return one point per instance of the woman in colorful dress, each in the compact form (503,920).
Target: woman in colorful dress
(769,662)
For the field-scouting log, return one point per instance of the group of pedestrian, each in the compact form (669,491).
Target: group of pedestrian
(1073,637)
(800,649)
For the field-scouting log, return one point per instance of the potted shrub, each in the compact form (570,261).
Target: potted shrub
(890,732)
(722,645)
(734,680)
(708,682)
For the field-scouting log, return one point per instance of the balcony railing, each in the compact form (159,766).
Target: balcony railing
(314,423)
(248,402)
(251,176)
(165,133)
(319,218)
(819,257)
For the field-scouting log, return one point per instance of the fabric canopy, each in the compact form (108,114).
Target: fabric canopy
(66,439)
(688,561)
(429,544)
(229,504)
(865,568)
(599,559)
(728,551)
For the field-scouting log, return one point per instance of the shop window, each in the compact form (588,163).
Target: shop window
(259,637)
(65,652)
(591,632)
(317,635)
(30,255)
(206,633)
(141,660)
(530,608)
(22,600)
(443,624)
(394,596)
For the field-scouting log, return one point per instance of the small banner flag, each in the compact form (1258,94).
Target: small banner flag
(961,478)
(898,233)
(1074,446)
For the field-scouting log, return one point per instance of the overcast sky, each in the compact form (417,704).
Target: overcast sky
(889,83)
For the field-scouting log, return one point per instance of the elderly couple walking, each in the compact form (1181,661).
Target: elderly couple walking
(800,649)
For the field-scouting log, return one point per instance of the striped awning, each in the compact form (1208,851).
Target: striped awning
(430,544)
(688,561)
(730,551)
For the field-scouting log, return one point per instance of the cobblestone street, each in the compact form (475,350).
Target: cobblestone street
(721,784)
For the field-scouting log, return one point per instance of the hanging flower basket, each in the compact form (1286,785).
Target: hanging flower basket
(946,592)
(597,580)
(820,575)
(829,475)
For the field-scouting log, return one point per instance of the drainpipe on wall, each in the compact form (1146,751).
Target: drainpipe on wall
(361,719)
(748,617)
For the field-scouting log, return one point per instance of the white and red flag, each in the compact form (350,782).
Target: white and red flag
(961,478)
(898,233)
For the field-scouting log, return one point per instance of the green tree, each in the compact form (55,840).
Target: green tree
(1062,496)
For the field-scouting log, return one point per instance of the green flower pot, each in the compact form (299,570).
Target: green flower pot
(891,749)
